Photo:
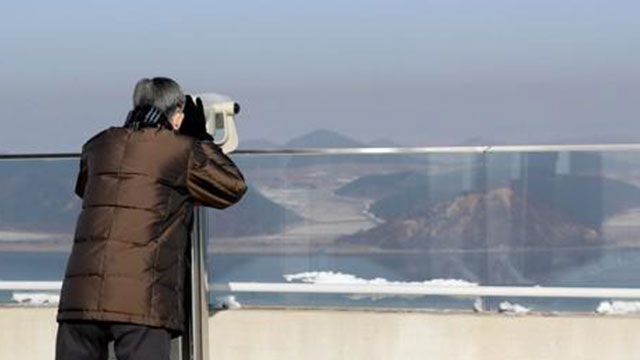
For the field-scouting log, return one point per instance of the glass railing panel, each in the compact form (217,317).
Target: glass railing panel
(38,211)
(324,214)
(564,218)
(579,225)
(492,219)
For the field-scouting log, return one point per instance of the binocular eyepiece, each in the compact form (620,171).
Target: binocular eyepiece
(227,107)
(230,107)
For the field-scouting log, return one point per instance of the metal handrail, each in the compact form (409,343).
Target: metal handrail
(418,290)
(482,149)
(31,285)
(40,156)
(385,289)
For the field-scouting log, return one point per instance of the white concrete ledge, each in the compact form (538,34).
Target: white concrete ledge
(333,335)
(283,334)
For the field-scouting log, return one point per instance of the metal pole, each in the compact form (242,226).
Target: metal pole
(203,284)
(195,343)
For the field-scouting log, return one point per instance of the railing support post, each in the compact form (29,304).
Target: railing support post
(195,344)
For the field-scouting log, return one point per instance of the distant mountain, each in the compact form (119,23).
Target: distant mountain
(401,192)
(472,225)
(464,222)
(380,185)
(323,139)
(320,139)
(258,144)
(38,196)
(317,139)
(589,197)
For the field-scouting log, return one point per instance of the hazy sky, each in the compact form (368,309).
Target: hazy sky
(417,72)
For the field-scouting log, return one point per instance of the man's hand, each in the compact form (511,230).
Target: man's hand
(194,123)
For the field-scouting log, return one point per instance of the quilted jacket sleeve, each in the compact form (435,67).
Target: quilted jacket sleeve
(213,179)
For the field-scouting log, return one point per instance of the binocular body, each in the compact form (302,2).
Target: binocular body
(220,111)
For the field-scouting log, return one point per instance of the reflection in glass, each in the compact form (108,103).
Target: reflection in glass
(38,210)
(539,218)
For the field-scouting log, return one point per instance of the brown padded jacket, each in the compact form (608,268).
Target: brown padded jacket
(130,251)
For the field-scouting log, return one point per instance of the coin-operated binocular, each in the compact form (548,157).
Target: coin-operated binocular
(220,111)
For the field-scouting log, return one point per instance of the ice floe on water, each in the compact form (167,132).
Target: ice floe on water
(331,277)
(227,302)
(29,298)
(512,309)
(338,278)
(618,307)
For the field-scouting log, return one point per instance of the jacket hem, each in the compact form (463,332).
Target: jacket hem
(67,315)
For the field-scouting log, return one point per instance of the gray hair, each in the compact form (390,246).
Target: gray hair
(162,93)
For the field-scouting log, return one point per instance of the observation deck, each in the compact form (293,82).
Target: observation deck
(483,252)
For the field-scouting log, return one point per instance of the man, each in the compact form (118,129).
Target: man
(125,277)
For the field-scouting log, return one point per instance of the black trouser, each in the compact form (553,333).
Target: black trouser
(88,340)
